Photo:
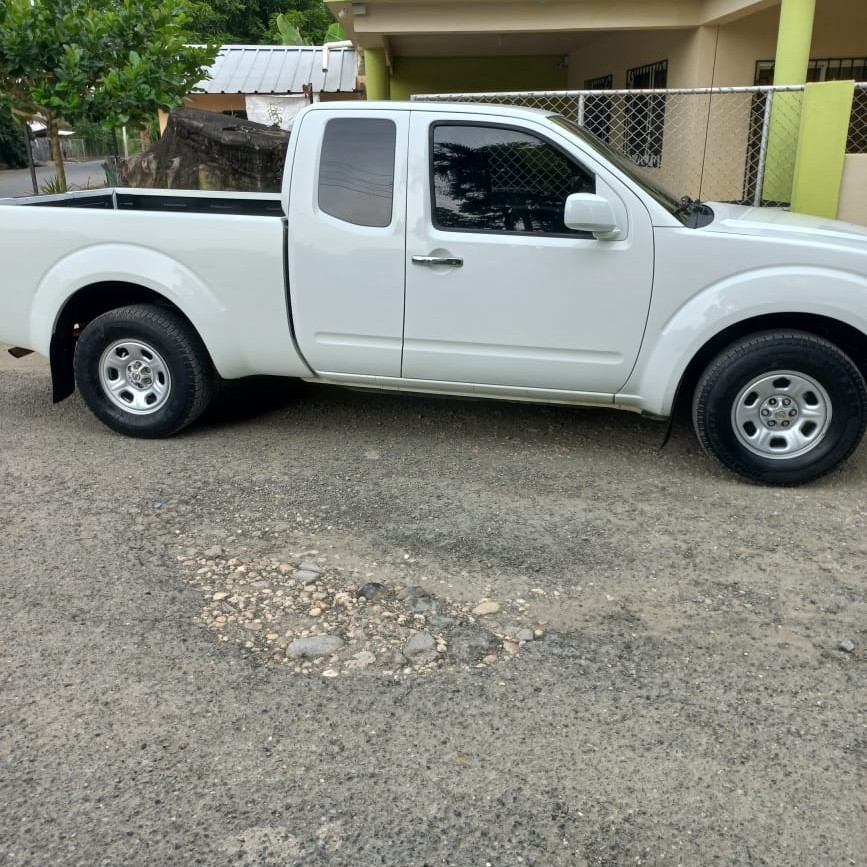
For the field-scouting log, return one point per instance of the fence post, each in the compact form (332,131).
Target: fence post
(581,109)
(763,150)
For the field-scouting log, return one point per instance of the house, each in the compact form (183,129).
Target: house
(478,46)
(271,83)
(418,46)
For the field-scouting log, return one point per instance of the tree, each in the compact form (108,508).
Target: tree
(100,61)
(289,32)
(255,21)
(12,148)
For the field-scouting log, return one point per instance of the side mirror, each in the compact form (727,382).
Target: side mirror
(590,212)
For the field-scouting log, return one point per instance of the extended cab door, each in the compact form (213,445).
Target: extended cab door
(347,239)
(498,291)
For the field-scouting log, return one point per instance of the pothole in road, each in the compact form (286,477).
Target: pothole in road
(316,619)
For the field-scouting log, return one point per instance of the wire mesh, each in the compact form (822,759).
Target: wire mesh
(857,142)
(720,144)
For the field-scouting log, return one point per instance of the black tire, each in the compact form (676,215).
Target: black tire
(160,372)
(739,413)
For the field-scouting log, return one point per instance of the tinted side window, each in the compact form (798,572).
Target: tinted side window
(356,170)
(502,180)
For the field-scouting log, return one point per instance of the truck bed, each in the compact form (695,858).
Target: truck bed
(175,201)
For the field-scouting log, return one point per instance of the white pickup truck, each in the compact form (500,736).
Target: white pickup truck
(453,249)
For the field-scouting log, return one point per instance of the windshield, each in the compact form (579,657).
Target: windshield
(691,213)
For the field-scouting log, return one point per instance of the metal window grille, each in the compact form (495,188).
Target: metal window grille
(716,142)
(603,82)
(645,114)
(823,69)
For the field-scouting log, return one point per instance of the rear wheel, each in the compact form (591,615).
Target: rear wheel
(781,407)
(143,371)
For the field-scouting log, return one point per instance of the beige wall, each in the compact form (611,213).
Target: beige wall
(209,102)
(703,57)
(840,29)
(689,54)
(722,56)
(853,190)
(741,44)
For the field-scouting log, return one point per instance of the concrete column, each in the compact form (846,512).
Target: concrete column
(793,41)
(376,74)
(794,38)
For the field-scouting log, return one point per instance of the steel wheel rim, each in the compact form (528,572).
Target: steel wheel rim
(781,415)
(135,377)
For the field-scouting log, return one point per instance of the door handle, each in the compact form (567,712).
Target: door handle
(453,261)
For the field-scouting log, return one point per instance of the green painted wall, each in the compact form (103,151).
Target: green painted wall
(376,73)
(822,147)
(477,74)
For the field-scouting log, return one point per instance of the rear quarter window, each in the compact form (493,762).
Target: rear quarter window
(356,170)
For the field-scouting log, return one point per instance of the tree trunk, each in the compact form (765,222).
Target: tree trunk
(56,152)
(202,150)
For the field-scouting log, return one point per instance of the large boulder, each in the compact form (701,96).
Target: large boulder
(203,150)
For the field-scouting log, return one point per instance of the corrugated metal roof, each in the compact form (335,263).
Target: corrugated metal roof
(281,69)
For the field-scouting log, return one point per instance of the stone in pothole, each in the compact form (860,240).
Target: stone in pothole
(470,644)
(441,622)
(314,645)
(307,576)
(421,648)
(426,605)
(360,660)
(370,591)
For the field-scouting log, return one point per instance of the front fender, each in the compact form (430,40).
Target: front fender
(682,332)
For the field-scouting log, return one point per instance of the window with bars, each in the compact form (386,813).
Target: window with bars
(826,69)
(494,179)
(645,114)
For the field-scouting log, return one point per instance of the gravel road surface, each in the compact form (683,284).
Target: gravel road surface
(648,661)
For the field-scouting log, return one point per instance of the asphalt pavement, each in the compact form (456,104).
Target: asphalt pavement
(696,695)
(79,175)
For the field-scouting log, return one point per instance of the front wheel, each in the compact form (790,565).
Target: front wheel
(781,407)
(143,371)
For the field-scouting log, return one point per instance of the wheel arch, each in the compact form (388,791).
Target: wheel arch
(847,338)
(80,308)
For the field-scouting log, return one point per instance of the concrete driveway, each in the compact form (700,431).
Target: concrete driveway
(692,690)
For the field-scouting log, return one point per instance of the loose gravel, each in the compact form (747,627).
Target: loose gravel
(316,619)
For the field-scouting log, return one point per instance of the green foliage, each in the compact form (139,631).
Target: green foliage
(289,33)
(12,150)
(254,22)
(229,22)
(103,61)
(52,185)
(335,33)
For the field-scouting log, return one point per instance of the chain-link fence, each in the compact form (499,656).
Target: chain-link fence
(857,143)
(734,144)
(92,146)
